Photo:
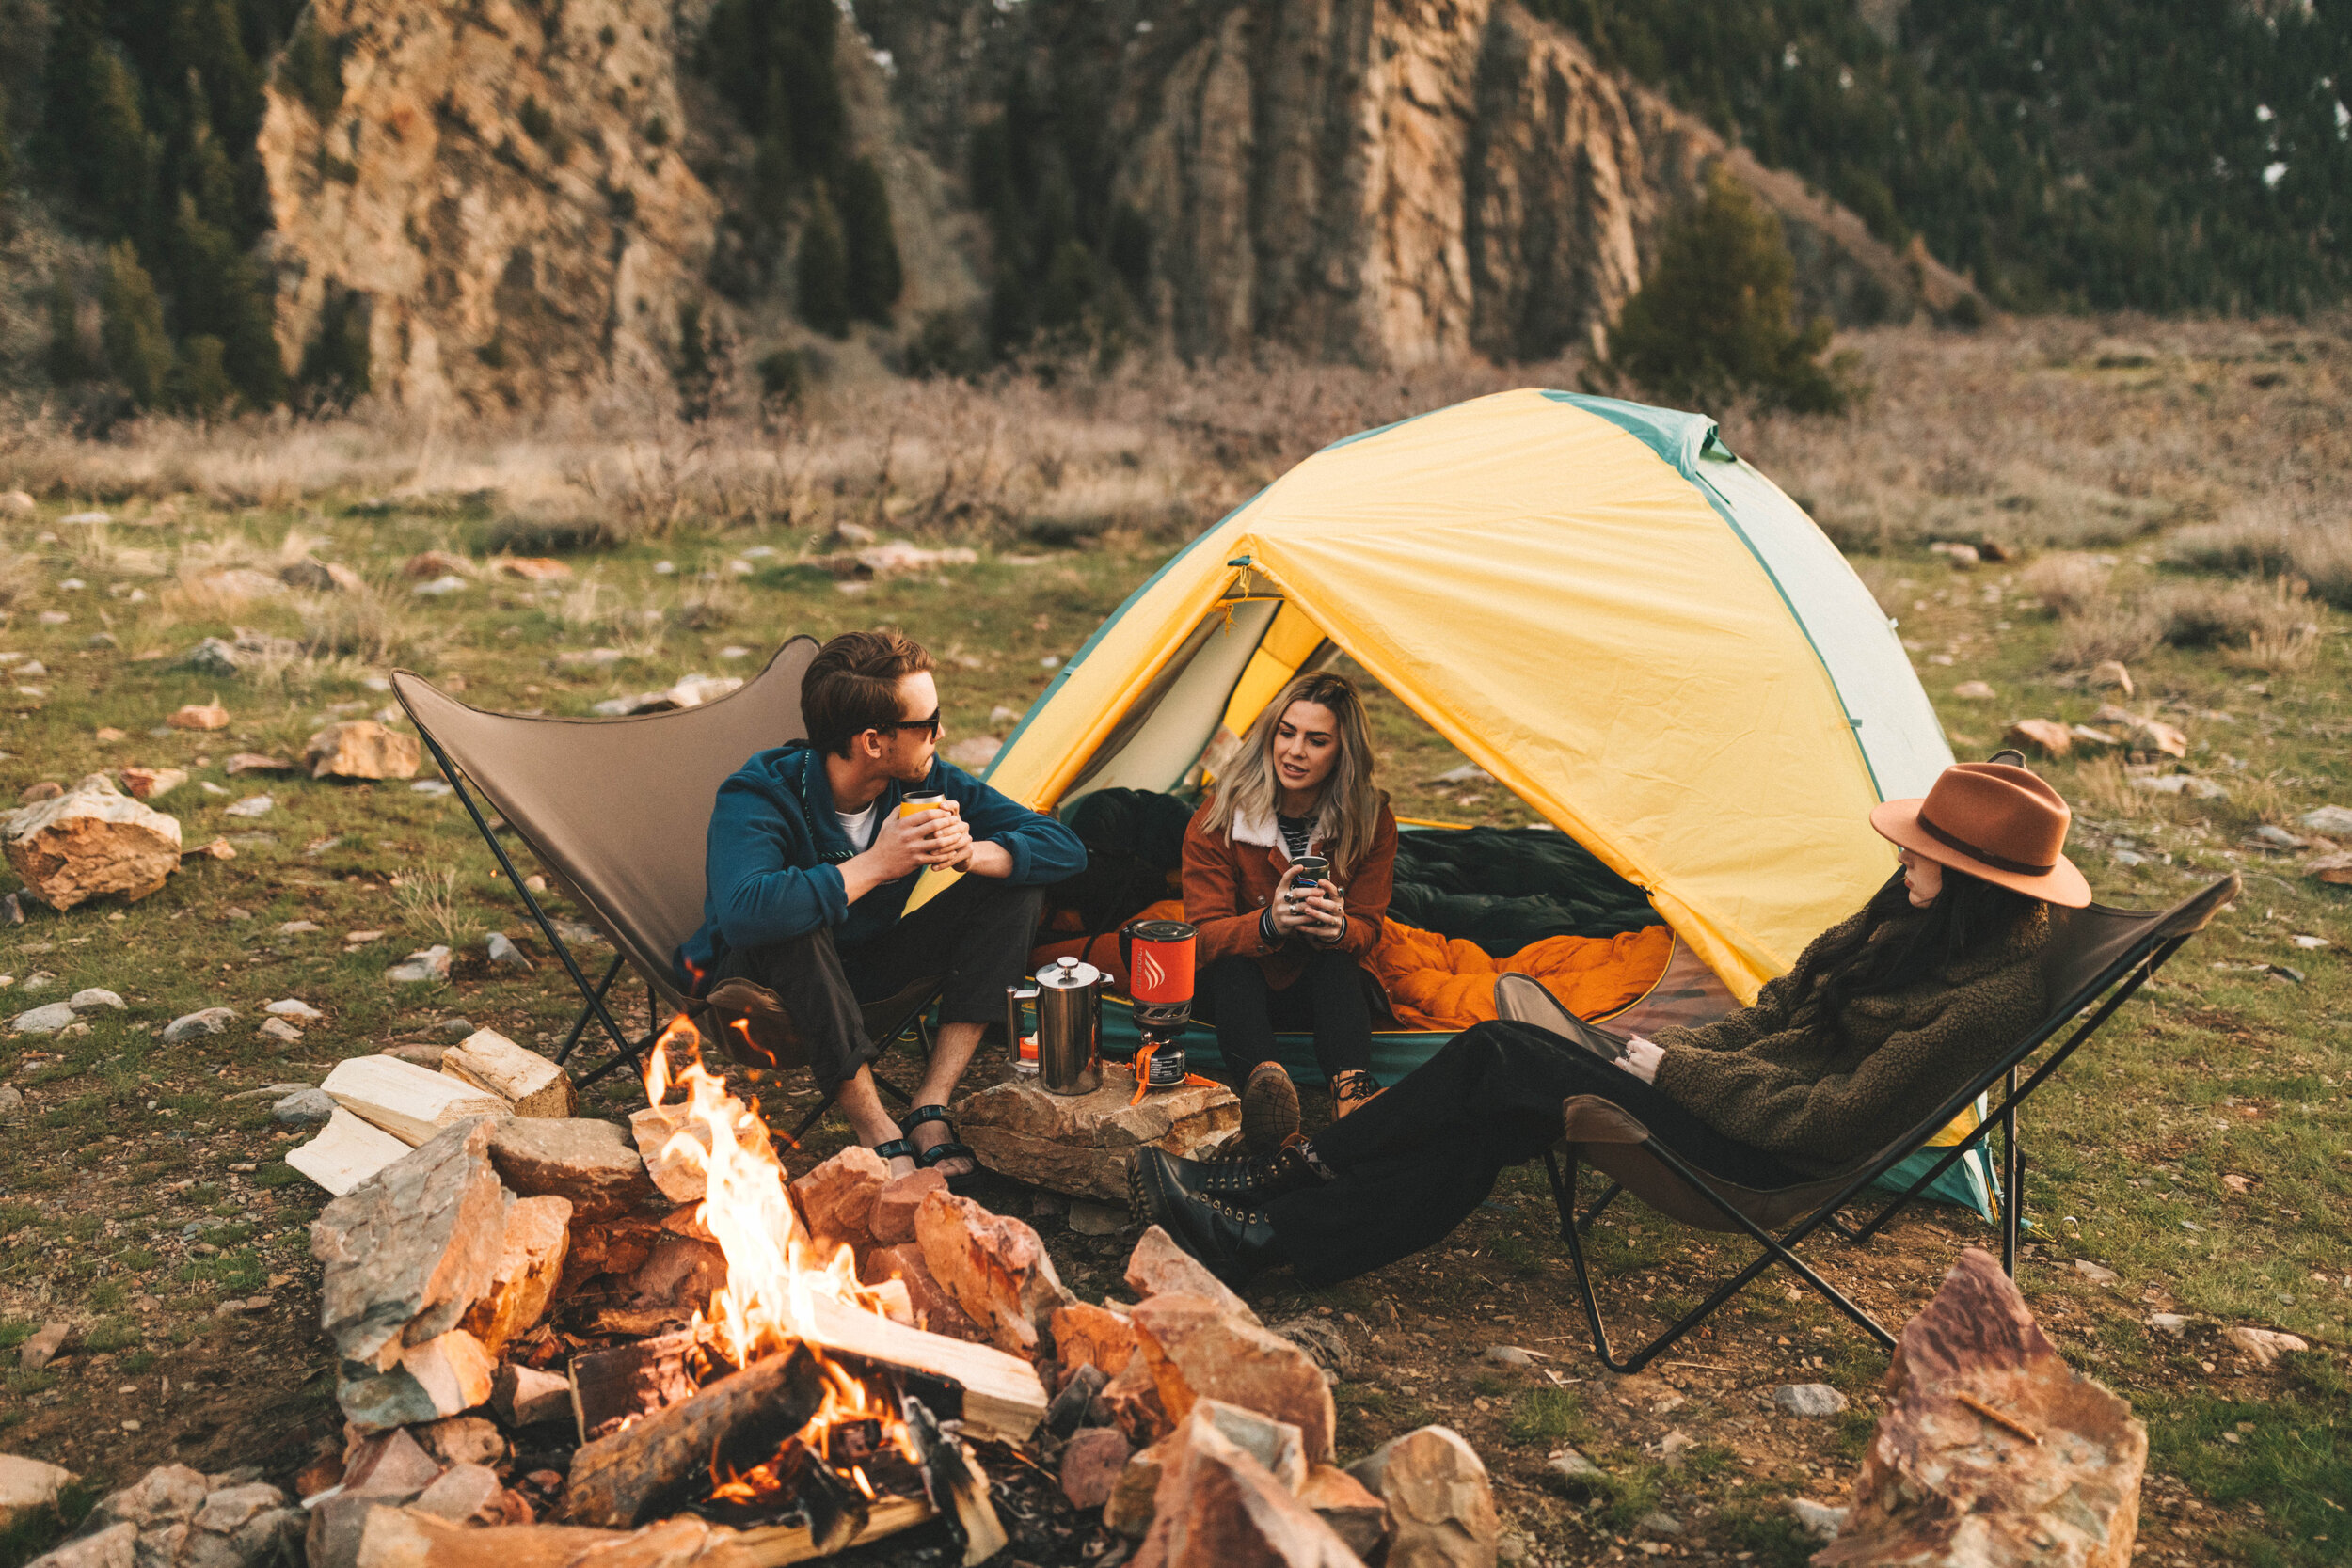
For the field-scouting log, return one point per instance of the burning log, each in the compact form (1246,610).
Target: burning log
(665,1460)
(403,1538)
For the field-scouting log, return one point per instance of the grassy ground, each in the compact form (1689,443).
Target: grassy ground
(2201,1150)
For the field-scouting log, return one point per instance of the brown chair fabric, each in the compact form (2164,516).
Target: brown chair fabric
(618,809)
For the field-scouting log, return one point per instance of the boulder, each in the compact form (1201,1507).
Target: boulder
(531,1260)
(591,1164)
(1091,1336)
(1441,1505)
(993,1267)
(2041,738)
(1196,1350)
(89,841)
(1215,1504)
(836,1201)
(524,1396)
(27,1487)
(893,1219)
(1090,1466)
(1158,1267)
(534,1085)
(173,1517)
(1081,1144)
(360,748)
(1944,1481)
(935,1309)
(406,1252)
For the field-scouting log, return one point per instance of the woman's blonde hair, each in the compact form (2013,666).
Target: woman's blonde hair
(1349,811)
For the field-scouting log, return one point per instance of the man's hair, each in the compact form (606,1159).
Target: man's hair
(854,686)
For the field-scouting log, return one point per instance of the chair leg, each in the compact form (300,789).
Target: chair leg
(1585,1222)
(626,1057)
(564,1053)
(2013,1200)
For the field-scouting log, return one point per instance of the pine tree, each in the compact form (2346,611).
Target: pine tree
(199,382)
(65,361)
(1713,318)
(122,158)
(821,270)
(8,155)
(138,348)
(221,294)
(876,275)
(335,365)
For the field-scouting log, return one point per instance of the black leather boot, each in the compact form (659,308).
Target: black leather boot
(1234,1241)
(1250,1182)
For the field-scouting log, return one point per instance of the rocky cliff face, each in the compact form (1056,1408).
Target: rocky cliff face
(1389,181)
(496,202)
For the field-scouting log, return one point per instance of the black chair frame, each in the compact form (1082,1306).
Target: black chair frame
(2119,981)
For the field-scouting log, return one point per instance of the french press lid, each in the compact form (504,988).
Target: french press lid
(1067,974)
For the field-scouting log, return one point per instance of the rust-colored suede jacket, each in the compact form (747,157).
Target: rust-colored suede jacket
(1230,879)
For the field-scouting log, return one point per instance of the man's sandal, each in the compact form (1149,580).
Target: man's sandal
(950,1148)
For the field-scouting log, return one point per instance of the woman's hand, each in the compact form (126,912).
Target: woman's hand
(1642,1057)
(1289,917)
(1325,914)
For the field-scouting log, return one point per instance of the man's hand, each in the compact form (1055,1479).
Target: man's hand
(904,845)
(1642,1057)
(950,840)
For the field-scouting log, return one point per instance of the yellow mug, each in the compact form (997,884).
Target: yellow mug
(927,800)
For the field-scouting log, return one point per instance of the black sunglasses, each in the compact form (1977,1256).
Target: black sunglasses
(931,724)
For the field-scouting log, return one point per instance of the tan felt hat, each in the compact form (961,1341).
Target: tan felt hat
(1996,822)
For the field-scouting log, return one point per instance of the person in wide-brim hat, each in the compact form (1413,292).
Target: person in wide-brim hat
(1883,1016)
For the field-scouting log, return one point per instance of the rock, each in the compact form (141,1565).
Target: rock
(531,1260)
(1819,1520)
(1158,1267)
(935,1309)
(279,1030)
(427,966)
(91,999)
(407,1252)
(2110,675)
(1506,1356)
(1658,1524)
(532,568)
(1092,1336)
(426,1057)
(1974,691)
(152,783)
(1069,1411)
(16,504)
(503,954)
(2044,738)
(1964,558)
(32,793)
(28,1486)
(1081,1144)
(114,1546)
(1132,1399)
(2333,822)
(321,577)
(1091,1465)
(1195,1349)
(360,748)
(524,1396)
(204,1020)
(993,1267)
(304,1107)
(1940,1481)
(254,762)
(463,1492)
(2264,1345)
(442,1376)
(2333,870)
(1096,1219)
(2145,734)
(526,1080)
(456,1027)
(676,1172)
(1129,1508)
(45,1020)
(1342,1501)
(592,1163)
(200,715)
(1580,1473)
(463,1440)
(41,1346)
(892,1217)
(89,841)
(1320,1339)
(2169,1322)
(11,1098)
(1217,1504)
(1808,1398)
(293,1006)
(2096,1273)
(1441,1506)
(683,1272)
(836,1201)
(252,805)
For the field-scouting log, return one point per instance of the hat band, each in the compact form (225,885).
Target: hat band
(2001,863)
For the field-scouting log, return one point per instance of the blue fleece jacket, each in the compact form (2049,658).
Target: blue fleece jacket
(772,863)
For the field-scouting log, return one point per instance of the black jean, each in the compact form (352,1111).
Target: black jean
(1328,999)
(976,936)
(1410,1164)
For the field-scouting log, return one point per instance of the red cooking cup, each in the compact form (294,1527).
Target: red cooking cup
(1158,957)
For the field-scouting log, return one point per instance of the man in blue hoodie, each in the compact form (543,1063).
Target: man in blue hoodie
(808,867)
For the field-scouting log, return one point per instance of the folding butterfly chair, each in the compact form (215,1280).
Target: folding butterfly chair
(617,811)
(2096,959)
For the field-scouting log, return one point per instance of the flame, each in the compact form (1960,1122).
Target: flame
(774,1273)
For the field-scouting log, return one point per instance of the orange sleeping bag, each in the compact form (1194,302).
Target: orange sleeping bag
(1436,985)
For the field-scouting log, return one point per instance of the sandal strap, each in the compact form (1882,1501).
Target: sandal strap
(949,1150)
(899,1149)
(922,1114)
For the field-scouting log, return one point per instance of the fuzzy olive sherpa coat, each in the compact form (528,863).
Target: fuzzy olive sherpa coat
(1778,1080)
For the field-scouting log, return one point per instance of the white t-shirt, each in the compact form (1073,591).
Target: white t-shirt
(860,826)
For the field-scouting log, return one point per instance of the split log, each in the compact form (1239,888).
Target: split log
(659,1463)
(402,1538)
(347,1152)
(1003,1399)
(534,1085)
(405,1099)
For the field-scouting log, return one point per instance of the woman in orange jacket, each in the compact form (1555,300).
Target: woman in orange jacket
(1277,951)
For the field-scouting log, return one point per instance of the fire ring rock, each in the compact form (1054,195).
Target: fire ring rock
(91,841)
(1082,1143)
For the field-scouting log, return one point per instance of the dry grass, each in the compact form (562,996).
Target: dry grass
(2110,628)
(2067,584)
(369,626)
(19,576)
(2271,536)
